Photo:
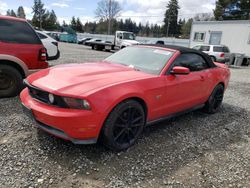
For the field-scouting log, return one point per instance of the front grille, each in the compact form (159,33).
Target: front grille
(43,96)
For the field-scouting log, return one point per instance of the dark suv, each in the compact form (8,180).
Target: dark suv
(21,53)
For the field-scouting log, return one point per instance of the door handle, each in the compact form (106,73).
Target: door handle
(202,78)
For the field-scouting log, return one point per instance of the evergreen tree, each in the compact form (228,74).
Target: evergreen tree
(21,13)
(220,6)
(12,13)
(79,26)
(171,18)
(240,10)
(73,23)
(245,7)
(39,14)
(64,24)
(8,13)
(50,21)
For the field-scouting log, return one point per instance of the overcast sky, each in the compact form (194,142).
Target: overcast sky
(137,10)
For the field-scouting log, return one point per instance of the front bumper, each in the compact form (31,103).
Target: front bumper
(77,126)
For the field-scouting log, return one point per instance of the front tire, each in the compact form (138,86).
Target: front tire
(124,125)
(10,81)
(215,100)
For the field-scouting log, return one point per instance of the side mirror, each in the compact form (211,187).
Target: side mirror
(180,70)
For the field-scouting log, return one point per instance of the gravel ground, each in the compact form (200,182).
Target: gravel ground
(194,150)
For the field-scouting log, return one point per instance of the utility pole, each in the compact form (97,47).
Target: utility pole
(109,21)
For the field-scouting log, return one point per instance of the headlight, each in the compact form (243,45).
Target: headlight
(77,103)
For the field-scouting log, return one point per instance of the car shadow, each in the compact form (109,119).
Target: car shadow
(175,142)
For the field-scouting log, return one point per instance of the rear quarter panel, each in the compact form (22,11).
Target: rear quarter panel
(219,74)
(26,52)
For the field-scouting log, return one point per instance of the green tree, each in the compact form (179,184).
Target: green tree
(12,13)
(220,6)
(39,13)
(21,13)
(64,24)
(73,23)
(245,7)
(79,26)
(171,18)
(8,13)
(186,28)
(50,21)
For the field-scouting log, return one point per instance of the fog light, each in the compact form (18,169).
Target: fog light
(86,105)
(51,98)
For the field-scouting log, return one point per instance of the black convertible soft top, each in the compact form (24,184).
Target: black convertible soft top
(182,50)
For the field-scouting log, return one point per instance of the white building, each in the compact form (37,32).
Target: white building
(234,33)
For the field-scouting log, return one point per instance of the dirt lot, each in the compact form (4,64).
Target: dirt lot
(194,150)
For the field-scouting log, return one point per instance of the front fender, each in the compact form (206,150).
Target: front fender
(104,101)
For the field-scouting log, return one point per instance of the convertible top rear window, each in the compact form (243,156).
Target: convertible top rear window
(149,60)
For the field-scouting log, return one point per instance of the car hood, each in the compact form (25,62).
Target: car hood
(79,79)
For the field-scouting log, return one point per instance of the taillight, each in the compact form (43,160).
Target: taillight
(55,43)
(42,54)
(222,55)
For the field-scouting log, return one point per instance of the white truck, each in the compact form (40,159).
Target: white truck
(122,39)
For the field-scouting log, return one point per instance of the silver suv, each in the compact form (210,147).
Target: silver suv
(218,53)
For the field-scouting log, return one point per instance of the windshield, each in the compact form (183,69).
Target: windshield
(128,36)
(149,60)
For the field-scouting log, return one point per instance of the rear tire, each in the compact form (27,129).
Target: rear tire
(11,82)
(215,100)
(124,125)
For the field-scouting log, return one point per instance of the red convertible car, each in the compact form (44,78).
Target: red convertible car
(114,99)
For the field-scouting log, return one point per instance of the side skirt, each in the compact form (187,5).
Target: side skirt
(149,123)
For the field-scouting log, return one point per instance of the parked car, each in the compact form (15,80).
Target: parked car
(218,53)
(160,42)
(50,44)
(54,35)
(114,99)
(88,43)
(21,53)
(83,40)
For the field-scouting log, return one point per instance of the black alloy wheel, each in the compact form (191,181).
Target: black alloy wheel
(10,81)
(124,125)
(215,100)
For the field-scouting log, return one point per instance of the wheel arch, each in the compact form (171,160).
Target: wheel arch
(221,83)
(136,98)
(15,65)
(140,100)
(212,56)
